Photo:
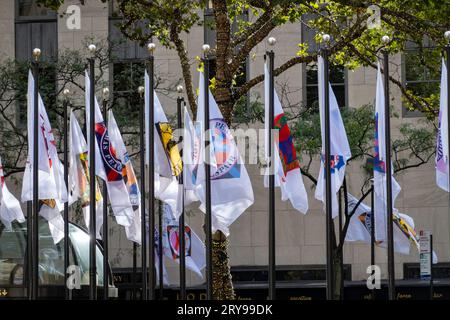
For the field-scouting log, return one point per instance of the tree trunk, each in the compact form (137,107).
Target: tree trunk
(222,282)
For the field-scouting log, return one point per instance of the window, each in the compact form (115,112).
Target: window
(337,75)
(128,61)
(418,76)
(337,80)
(36,27)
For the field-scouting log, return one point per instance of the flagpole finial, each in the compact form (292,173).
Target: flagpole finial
(105,93)
(66,93)
(151,47)
(180,89)
(272,41)
(141,91)
(447,35)
(92,49)
(36,53)
(326,38)
(385,40)
(206,48)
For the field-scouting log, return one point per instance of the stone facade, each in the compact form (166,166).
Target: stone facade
(300,238)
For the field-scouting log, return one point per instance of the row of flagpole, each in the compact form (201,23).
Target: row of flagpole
(148,286)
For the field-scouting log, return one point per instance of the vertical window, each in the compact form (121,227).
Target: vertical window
(337,75)
(418,76)
(128,61)
(36,27)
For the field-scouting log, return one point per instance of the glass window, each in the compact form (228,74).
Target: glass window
(128,75)
(29,9)
(337,80)
(419,77)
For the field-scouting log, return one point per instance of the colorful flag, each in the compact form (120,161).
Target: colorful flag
(339,147)
(79,175)
(108,166)
(380,164)
(360,228)
(287,165)
(133,232)
(231,189)
(168,164)
(442,148)
(52,188)
(194,248)
(10,209)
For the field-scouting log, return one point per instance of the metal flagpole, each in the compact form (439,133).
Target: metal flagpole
(208,215)
(372,231)
(447,64)
(181,222)
(160,250)
(151,174)
(133,292)
(270,152)
(105,93)
(35,213)
(390,226)
(327,165)
(67,292)
(29,264)
(92,193)
(144,271)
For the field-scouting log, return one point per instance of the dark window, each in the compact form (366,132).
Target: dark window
(418,76)
(128,61)
(29,9)
(441,270)
(337,74)
(337,80)
(36,27)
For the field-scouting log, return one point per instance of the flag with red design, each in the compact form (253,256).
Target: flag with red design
(287,165)
(108,165)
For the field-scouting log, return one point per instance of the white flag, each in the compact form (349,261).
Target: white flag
(52,188)
(133,232)
(168,162)
(194,248)
(359,228)
(442,147)
(79,175)
(108,166)
(379,165)
(339,147)
(231,189)
(287,166)
(10,209)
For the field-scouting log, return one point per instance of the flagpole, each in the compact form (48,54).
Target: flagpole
(29,264)
(372,231)
(390,226)
(105,93)
(181,222)
(92,188)
(208,215)
(66,93)
(35,213)
(447,64)
(270,152)
(160,250)
(327,165)
(151,174)
(141,91)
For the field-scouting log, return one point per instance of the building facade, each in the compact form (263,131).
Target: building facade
(300,239)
